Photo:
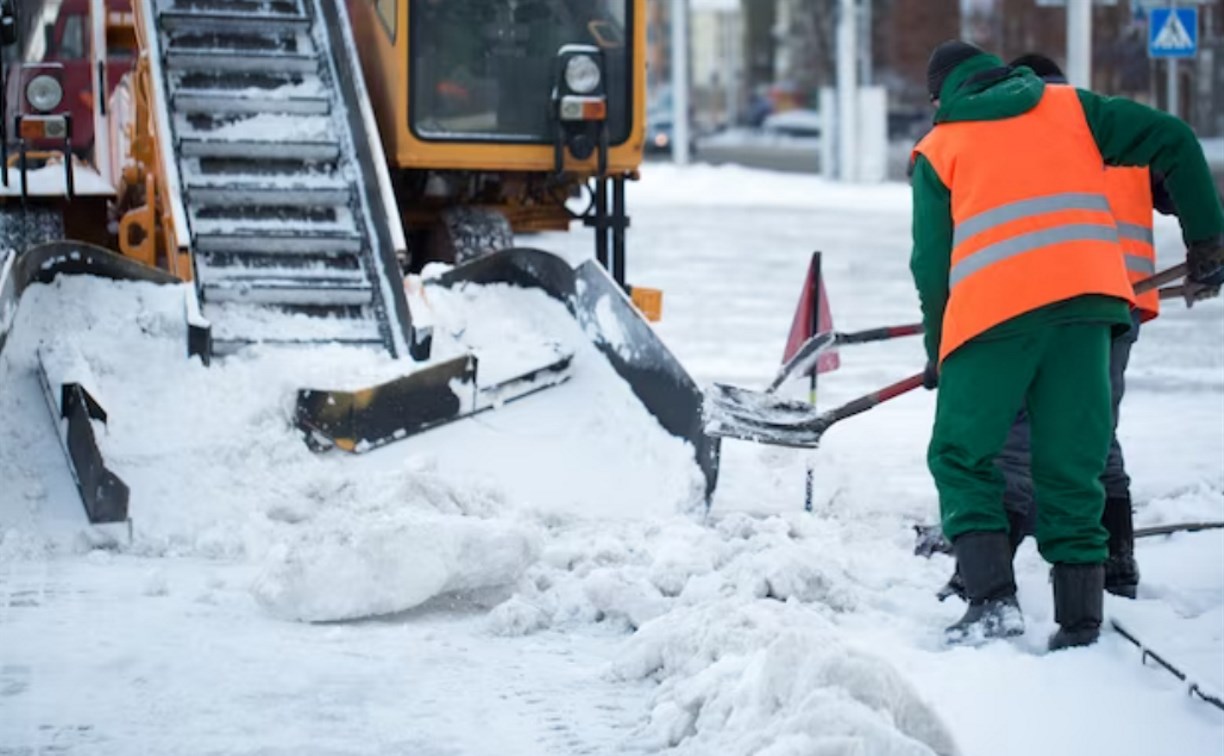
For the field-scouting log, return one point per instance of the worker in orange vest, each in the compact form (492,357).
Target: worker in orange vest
(1134,194)
(1022,280)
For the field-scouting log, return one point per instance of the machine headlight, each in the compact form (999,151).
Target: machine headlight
(582,74)
(44,93)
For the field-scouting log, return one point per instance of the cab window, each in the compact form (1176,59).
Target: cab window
(72,43)
(484,70)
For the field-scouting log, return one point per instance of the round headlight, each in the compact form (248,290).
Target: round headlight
(44,93)
(582,74)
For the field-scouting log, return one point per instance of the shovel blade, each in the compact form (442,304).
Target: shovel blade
(762,417)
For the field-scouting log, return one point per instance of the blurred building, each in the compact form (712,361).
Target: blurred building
(745,50)
(716,59)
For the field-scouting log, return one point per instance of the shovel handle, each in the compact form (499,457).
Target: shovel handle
(805,357)
(875,398)
(880,334)
(1168,275)
(1190,292)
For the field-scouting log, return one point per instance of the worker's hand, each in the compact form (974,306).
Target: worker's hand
(930,376)
(1205,262)
(1198,292)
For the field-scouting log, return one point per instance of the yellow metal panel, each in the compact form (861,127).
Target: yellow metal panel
(386,63)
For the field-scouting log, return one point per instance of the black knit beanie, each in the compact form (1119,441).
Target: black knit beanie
(1043,66)
(946,57)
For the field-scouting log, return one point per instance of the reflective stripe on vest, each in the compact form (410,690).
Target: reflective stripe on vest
(971,227)
(1136,233)
(1130,198)
(1018,245)
(1033,222)
(1140,264)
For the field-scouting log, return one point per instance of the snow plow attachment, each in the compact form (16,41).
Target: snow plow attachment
(359,421)
(65,378)
(617,329)
(42,263)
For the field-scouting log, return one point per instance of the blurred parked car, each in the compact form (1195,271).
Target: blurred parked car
(798,123)
(659,136)
(908,125)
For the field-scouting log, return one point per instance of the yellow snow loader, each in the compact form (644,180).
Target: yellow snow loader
(293,158)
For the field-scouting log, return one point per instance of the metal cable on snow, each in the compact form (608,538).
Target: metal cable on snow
(1185,527)
(1192,688)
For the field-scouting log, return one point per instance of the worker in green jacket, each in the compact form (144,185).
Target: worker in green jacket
(1011,259)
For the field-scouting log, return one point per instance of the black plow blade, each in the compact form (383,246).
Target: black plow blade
(362,420)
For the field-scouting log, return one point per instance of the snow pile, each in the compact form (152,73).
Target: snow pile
(738,623)
(390,544)
(217,470)
(774,678)
(472,319)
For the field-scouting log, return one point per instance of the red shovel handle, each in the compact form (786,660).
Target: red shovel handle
(899,388)
(864,403)
(1168,275)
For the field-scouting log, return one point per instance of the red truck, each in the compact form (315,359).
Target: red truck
(57,75)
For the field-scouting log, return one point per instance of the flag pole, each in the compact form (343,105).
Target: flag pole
(814,327)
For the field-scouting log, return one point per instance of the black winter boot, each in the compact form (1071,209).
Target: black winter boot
(1121,570)
(985,566)
(1015,536)
(1079,596)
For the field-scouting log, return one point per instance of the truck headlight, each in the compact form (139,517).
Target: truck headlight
(44,93)
(582,74)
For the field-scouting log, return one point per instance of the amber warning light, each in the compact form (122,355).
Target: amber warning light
(44,127)
(648,301)
(574,108)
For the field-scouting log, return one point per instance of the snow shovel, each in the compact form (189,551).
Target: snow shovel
(809,352)
(735,412)
(762,417)
(726,406)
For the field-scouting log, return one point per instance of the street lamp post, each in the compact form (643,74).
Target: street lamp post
(1079,43)
(680,81)
(847,92)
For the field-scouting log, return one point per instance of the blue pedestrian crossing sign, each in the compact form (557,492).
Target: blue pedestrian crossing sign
(1172,32)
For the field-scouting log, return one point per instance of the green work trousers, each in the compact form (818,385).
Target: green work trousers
(1060,374)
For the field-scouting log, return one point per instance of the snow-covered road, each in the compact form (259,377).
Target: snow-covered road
(599,613)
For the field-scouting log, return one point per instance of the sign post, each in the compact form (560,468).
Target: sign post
(1172,34)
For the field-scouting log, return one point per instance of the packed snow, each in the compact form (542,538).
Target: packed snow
(50,180)
(544,578)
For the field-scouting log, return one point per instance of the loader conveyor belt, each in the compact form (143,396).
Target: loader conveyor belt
(280,172)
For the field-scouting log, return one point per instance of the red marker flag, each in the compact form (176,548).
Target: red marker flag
(812,300)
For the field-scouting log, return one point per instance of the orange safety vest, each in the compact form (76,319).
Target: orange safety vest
(1130,198)
(1032,223)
